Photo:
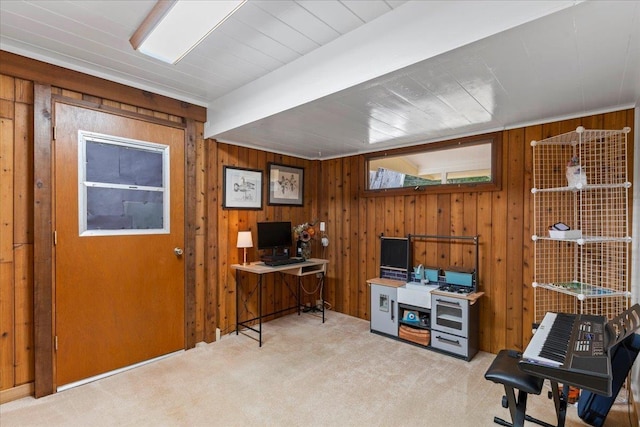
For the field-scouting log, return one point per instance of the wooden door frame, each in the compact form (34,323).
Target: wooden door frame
(44,251)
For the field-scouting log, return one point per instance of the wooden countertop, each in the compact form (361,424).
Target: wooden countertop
(471,297)
(310,266)
(386,282)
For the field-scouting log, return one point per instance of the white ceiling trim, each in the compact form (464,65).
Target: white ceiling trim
(389,43)
(82,66)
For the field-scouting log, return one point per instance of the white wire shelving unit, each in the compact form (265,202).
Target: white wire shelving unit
(580,180)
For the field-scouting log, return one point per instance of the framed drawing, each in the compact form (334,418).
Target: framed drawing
(242,188)
(286,185)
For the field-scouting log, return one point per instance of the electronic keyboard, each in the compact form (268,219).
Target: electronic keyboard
(571,349)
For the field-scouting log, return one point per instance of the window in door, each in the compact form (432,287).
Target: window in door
(123,186)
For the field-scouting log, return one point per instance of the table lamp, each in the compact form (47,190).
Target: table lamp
(244,241)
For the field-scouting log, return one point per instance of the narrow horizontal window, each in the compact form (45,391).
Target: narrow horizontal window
(468,164)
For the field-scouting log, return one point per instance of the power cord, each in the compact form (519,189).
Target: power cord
(319,288)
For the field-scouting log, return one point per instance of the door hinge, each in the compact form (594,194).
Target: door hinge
(55,237)
(54,133)
(55,343)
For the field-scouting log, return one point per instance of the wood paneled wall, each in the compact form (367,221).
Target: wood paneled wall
(222,238)
(16,233)
(331,194)
(17,228)
(502,219)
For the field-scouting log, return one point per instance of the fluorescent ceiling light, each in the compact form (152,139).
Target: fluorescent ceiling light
(174,27)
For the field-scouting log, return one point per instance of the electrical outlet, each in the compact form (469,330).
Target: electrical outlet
(319,303)
(217,334)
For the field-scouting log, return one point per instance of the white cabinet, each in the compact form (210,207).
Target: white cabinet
(384,308)
(450,315)
(580,183)
(454,323)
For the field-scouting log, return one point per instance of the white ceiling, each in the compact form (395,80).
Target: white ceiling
(330,78)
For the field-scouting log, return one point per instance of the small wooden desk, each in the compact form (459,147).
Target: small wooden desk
(312,266)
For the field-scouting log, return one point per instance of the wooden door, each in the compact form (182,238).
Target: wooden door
(119,297)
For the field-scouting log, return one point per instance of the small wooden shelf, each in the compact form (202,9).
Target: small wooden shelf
(386,282)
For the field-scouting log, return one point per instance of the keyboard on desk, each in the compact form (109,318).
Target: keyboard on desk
(282,261)
(571,349)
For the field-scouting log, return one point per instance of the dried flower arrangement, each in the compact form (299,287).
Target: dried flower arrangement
(303,234)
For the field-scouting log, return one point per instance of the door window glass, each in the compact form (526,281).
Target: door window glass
(123,186)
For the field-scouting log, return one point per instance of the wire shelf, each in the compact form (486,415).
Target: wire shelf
(581,290)
(580,180)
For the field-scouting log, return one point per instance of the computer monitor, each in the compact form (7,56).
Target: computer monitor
(395,252)
(276,237)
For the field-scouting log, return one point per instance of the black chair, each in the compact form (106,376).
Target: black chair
(504,370)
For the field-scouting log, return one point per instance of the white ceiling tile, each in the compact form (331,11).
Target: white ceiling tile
(367,10)
(271,26)
(98,11)
(334,14)
(300,19)
(246,53)
(37,16)
(395,3)
(256,39)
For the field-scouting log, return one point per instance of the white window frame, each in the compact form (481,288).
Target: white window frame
(83,184)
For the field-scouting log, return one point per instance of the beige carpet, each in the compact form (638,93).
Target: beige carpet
(306,373)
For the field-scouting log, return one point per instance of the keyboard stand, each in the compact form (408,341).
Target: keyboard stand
(560,401)
(299,270)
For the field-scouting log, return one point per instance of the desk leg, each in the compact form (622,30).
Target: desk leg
(238,288)
(259,317)
(298,294)
(260,310)
(322,294)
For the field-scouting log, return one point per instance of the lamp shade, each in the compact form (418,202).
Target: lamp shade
(244,239)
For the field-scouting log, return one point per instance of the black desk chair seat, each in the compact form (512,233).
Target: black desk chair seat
(504,370)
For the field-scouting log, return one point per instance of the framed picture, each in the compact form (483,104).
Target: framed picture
(286,185)
(242,188)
